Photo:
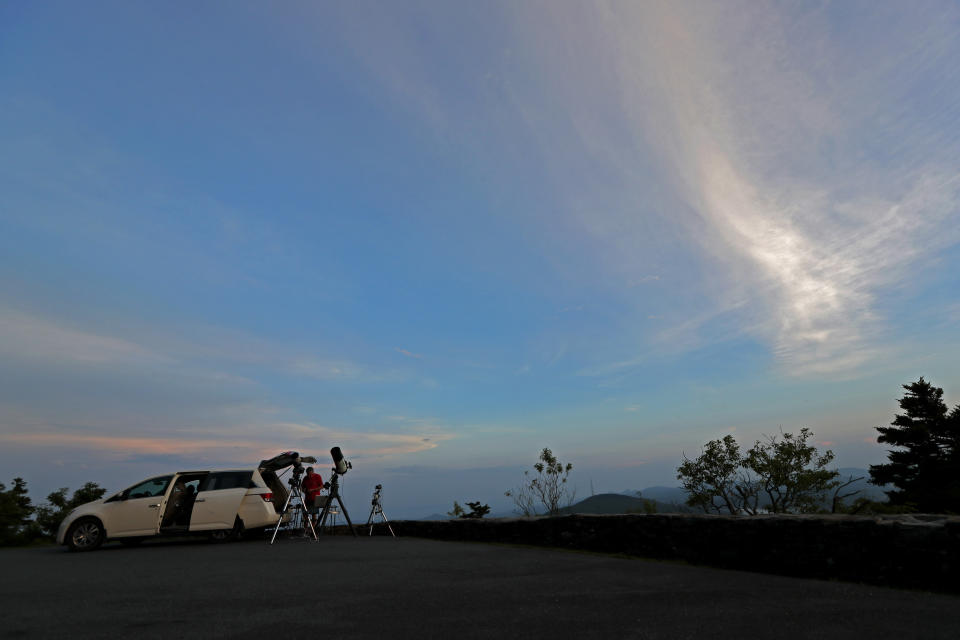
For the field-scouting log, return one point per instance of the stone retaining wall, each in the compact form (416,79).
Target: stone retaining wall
(919,551)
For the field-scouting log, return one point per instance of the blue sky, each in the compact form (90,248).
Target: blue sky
(445,235)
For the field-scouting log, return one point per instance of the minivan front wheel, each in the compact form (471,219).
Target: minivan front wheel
(85,535)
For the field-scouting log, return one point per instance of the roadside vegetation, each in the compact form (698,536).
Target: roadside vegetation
(477,511)
(787,474)
(784,474)
(546,491)
(23,523)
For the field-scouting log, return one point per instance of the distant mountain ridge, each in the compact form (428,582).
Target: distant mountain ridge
(609,503)
(674,499)
(668,495)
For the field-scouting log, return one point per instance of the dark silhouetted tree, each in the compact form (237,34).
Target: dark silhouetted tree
(791,475)
(15,512)
(837,504)
(477,510)
(548,487)
(457,511)
(779,475)
(714,479)
(50,515)
(924,467)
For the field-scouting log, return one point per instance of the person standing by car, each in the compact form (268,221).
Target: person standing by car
(312,485)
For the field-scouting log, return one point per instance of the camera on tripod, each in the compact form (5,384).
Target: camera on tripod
(377,510)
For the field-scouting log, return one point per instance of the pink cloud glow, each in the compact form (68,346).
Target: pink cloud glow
(367,444)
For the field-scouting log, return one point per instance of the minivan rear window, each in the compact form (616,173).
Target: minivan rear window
(227,480)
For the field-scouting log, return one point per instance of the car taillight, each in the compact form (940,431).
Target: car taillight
(267,497)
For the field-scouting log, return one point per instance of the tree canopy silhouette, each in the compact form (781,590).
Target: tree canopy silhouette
(50,515)
(548,487)
(925,466)
(15,511)
(780,475)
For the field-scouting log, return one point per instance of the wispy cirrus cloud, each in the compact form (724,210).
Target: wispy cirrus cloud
(807,179)
(339,369)
(211,353)
(777,161)
(409,354)
(806,253)
(25,335)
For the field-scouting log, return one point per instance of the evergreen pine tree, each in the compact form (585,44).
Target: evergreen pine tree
(15,511)
(924,468)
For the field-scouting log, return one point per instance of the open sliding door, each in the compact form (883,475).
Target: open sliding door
(218,500)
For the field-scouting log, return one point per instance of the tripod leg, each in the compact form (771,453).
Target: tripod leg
(313,529)
(280,519)
(306,518)
(323,515)
(373,510)
(346,515)
(295,517)
(384,516)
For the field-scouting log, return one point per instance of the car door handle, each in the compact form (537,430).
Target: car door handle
(153,506)
(200,500)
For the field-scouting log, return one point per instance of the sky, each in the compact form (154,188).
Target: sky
(445,235)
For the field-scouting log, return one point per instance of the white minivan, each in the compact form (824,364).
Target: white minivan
(219,503)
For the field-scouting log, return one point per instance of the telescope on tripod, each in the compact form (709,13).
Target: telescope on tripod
(340,467)
(294,510)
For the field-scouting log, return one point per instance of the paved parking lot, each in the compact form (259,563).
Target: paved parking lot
(377,587)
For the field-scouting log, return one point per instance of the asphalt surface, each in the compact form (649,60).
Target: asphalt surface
(342,587)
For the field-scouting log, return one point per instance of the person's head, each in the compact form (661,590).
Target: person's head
(309,471)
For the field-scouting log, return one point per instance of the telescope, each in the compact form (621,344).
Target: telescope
(268,470)
(340,464)
(340,467)
(288,459)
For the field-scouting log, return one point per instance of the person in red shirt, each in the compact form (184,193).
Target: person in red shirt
(312,485)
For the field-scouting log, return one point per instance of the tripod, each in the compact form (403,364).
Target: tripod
(299,508)
(335,493)
(377,509)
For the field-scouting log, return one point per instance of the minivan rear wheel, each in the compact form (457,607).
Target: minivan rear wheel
(85,534)
(225,535)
